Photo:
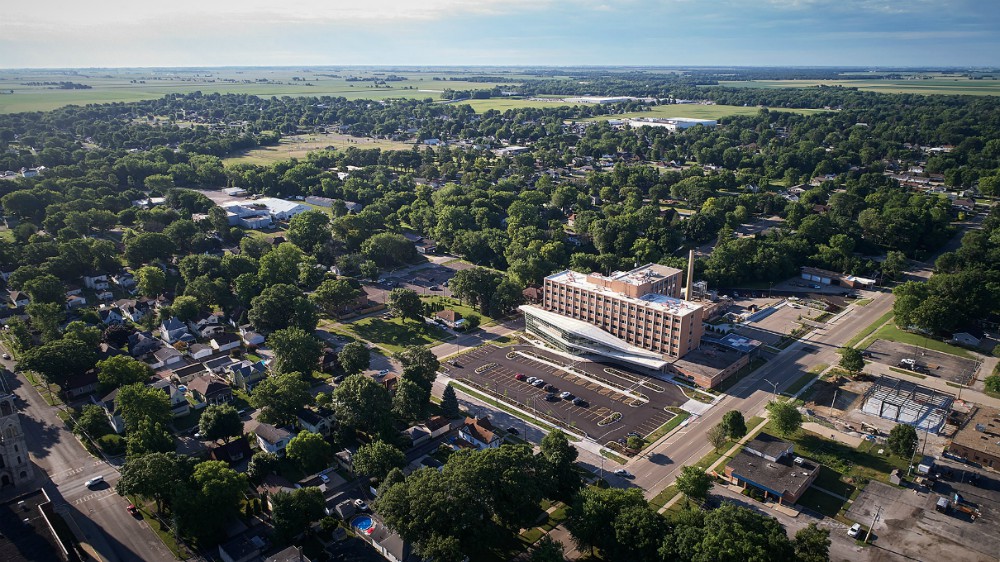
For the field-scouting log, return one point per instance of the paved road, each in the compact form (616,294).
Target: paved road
(658,467)
(62,466)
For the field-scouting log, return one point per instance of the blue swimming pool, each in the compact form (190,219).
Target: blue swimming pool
(362,523)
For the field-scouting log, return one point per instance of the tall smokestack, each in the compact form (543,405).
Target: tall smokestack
(690,280)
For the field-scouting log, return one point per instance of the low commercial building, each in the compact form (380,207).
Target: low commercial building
(770,465)
(979,439)
(672,123)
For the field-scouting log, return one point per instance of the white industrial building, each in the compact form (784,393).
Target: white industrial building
(671,123)
(262,213)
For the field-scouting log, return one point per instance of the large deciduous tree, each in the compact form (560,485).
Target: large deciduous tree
(560,456)
(309,229)
(354,358)
(852,360)
(734,424)
(293,512)
(295,350)
(786,417)
(150,280)
(903,440)
(405,303)
(153,476)
(363,404)
(309,450)
(377,459)
(120,370)
(138,402)
(334,295)
(280,306)
(694,483)
(220,421)
(280,397)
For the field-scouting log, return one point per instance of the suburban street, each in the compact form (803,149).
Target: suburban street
(62,466)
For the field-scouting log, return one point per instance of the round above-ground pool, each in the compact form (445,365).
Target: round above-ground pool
(363,523)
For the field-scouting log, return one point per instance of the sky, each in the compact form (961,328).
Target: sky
(142,33)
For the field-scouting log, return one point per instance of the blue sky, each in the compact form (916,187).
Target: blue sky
(57,33)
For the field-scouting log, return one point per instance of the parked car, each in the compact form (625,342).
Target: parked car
(539,383)
(519,377)
(324,478)
(580,402)
(624,473)
(854,531)
(132,509)
(566,396)
(634,434)
(551,388)
(513,431)
(6,356)
(530,380)
(360,505)
(550,397)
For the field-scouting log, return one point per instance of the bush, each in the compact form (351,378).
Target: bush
(112,444)
(992,382)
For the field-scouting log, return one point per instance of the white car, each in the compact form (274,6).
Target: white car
(623,473)
(94,481)
(538,382)
(6,356)
(566,396)
(854,531)
(531,380)
(324,478)
(360,505)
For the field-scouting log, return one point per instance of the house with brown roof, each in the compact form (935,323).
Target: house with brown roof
(480,433)
(452,318)
(211,389)
(532,294)
(234,452)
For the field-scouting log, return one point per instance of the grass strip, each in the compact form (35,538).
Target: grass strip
(853,342)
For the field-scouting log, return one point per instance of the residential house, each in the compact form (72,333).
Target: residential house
(125,280)
(233,453)
(187,373)
(165,357)
(224,341)
(141,343)
(353,207)
(422,245)
(178,404)
(480,433)
(971,337)
(173,330)
(451,318)
(18,298)
(199,350)
(273,439)
(95,280)
(207,326)
(242,549)
(438,425)
(111,410)
(220,365)
(80,384)
(73,290)
(289,554)
(250,337)
(416,434)
(273,484)
(105,295)
(964,204)
(211,390)
(316,420)
(133,310)
(74,302)
(328,361)
(245,374)
(105,351)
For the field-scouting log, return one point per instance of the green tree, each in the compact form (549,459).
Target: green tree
(280,397)
(449,403)
(79,330)
(736,534)
(220,421)
(560,456)
(150,280)
(309,229)
(852,360)
(57,360)
(354,358)
(548,549)
(363,404)
(638,533)
(992,384)
(786,417)
(903,440)
(280,306)
(138,402)
(148,437)
(377,459)
(186,308)
(420,365)
(405,303)
(295,351)
(293,512)
(812,544)
(333,295)
(92,422)
(45,289)
(734,424)
(152,476)
(594,510)
(261,464)
(410,401)
(718,436)
(46,317)
(694,483)
(120,370)
(146,247)
(281,265)
(219,486)
(310,450)
(894,265)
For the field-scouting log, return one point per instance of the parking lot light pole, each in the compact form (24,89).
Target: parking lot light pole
(775,385)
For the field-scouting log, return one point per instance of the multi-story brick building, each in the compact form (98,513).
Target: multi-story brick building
(634,316)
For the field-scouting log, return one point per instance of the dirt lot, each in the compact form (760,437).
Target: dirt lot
(778,324)
(937,364)
(910,527)
(618,393)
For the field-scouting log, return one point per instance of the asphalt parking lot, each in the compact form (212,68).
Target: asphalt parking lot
(429,279)
(936,364)
(641,402)
(910,526)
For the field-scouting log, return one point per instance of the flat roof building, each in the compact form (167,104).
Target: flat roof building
(979,439)
(672,123)
(769,464)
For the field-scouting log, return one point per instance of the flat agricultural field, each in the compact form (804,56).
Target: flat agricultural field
(297,146)
(701,111)
(939,85)
(31,93)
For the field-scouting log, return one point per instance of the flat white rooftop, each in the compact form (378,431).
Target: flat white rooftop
(638,276)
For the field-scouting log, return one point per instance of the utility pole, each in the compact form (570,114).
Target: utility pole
(834,401)
(878,512)
(775,385)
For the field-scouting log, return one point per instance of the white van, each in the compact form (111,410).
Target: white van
(94,481)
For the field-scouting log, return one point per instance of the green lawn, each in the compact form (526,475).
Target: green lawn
(892,333)
(853,342)
(462,309)
(799,384)
(824,503)
(661,499)
(394,334)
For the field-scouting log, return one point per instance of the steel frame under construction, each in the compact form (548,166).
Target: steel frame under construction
(907,402)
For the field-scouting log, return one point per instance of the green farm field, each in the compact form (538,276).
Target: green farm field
(133,85)
(698,111)
(941,85)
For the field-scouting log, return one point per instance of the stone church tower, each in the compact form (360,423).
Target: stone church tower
(15,468)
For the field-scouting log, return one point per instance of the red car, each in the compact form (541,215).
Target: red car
(520,376)
(132,509)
